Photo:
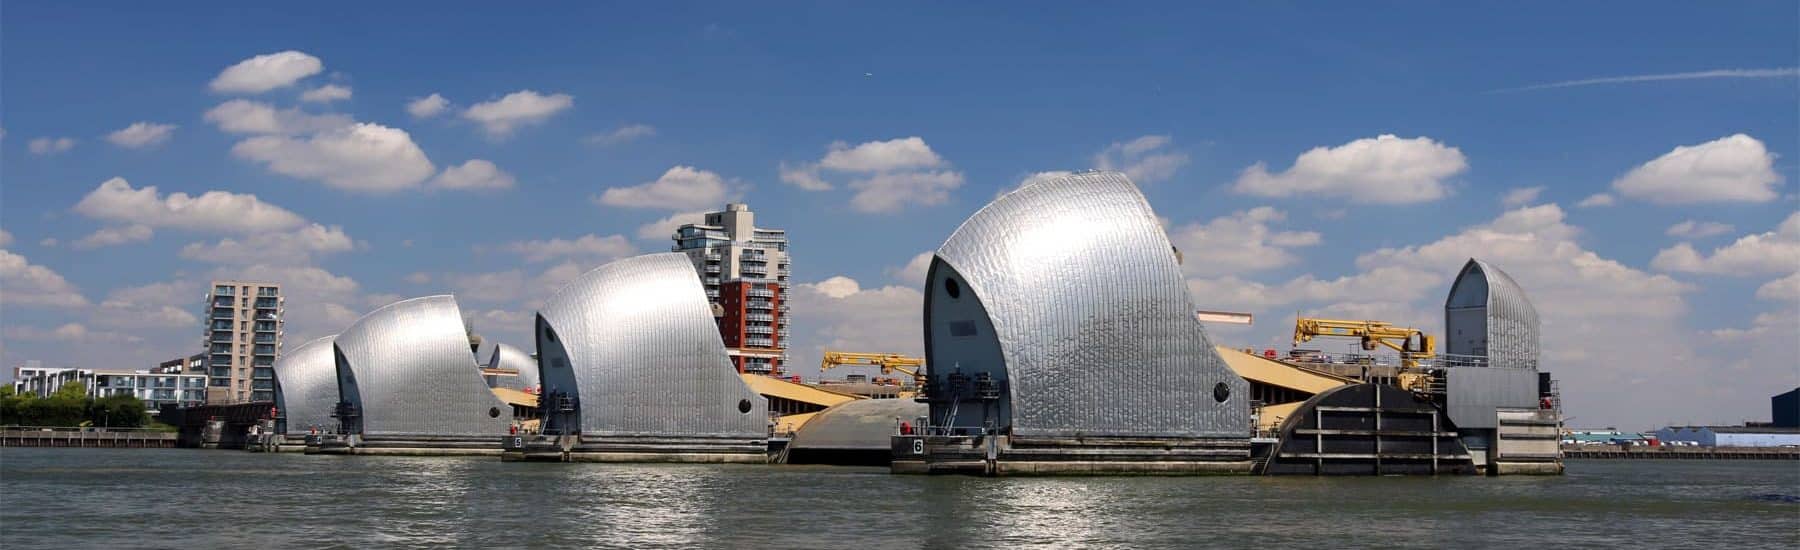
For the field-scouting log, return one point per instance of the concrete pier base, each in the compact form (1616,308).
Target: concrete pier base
(1039,456)
(573,448)
(401,445)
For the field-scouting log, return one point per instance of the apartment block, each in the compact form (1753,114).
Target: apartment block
(242,338)
(745,271)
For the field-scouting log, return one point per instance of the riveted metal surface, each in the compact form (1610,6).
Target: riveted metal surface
(1093,319)
(511,357)
(414,372)
(306,386)
(644,353)
(1511,323)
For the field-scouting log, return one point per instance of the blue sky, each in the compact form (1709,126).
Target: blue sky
(1186,97)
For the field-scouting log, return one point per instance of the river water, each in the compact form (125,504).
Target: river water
(176,498)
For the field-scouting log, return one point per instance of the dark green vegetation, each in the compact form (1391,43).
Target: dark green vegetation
(71,406)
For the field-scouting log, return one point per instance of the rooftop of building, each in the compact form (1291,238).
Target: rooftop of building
(1742,429)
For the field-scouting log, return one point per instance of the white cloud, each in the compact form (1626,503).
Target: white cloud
(890,192)
(1382,170)
(1691,229)
(267,72)
(297,247)
(116,201)
(50,146)
(586,246)
(662,228)
(881,156)
(68,332)
(111,236)
(6,238)
(680,188)
(1784,290)
(525,107)
(48,242)
(1521,196)
(474,174)
(1606,325)
(1596,200)
(157,305)
(242,116)
(914,272)
(1239,243)
(23,283)
(1735,168)
(804,176)
(418,278)
(1782,72)
(366,157)
(497,287)
(841,315)
(900,161)
(622,135)
(326,94)
(142,134)
(319,302)
(428,106)
(1146,159)
(1776,251)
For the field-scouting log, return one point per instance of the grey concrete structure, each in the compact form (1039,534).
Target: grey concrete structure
(633,350)
(510,357)
(1474,395)
(1488,315)
(853,432)
(407,370)
(306,388)
(1057,318)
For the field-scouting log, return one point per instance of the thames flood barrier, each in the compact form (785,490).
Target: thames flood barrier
(1062,340)
(407,384)
(634,370)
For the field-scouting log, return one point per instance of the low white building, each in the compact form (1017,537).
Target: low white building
(1730,436)
(154,389)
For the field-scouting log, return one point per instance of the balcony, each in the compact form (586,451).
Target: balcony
(260,316)
(759,330)
(262,373)
(267,303)
(223,290)
(265,326)
(764,317)
(712,293)
(761,293)
(758,342)
(265,349)
(764,305)
(221,313)
(265,338)
(710,281)
(712,269)
(758,270)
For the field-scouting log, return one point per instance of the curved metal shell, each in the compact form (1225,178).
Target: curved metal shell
(1487,314)
(1068,293)
(413,374)
(635,344)
(511,357)
(306,386)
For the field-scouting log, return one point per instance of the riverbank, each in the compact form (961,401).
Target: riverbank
(134,438)
(1610,452)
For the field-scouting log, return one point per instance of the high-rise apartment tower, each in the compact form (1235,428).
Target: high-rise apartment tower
(745,271)
(243,337)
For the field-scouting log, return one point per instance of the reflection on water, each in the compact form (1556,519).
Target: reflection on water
(185,498)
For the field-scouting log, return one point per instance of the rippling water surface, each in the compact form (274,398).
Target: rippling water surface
(213,499)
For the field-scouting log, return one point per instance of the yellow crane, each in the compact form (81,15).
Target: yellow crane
(1413,344)
(889,363)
